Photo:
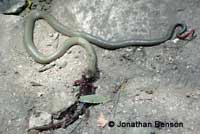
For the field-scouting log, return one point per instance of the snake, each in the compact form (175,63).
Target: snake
(84,40)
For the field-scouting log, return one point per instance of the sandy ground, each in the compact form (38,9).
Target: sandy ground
(163,81)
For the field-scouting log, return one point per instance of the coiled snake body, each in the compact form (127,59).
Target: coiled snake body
(83,39)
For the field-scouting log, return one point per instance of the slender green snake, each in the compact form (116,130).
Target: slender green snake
(43,59)
(82,39)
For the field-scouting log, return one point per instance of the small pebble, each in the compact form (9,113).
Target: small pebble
(49,44)
(33,131)
(55,36)
(149,91)
(69,52)
(50,34)
(128,49)
(62,64)
(139,48)
(40,94)
(16,72)
(39,118)
(34,84)
(175,40)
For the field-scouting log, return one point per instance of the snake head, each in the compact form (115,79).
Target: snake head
(89,74)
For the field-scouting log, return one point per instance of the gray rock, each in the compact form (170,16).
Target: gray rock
(169,70)
(116,20)
(39,118)
(41,4)
(61,100)
(14,102)
(12,6)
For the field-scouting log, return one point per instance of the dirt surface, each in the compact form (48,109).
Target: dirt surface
(162,81)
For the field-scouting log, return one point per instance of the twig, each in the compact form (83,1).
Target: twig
(46,67)
(76,126)
(119,88)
